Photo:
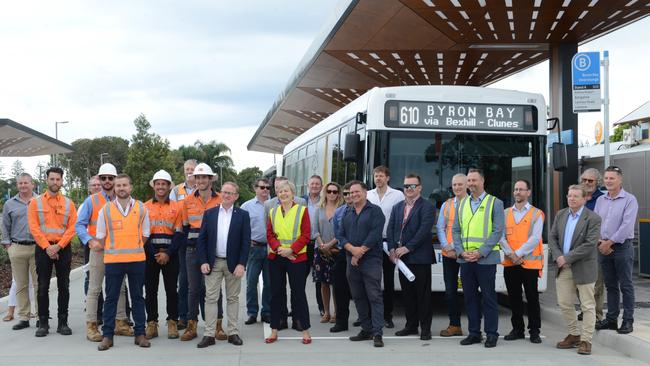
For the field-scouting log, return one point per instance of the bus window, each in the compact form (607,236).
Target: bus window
(335,154)
(321,163)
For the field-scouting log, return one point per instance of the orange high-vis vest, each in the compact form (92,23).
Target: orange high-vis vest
(98,201)
(51,219)
(181,192)
(193,209)
(518,234)
(124,234)
(449,213)
(164,220)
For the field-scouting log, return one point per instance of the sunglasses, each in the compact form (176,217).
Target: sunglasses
(345,194)
(263,187)
(410,186)
(332,192)
(107,177)
(613,168)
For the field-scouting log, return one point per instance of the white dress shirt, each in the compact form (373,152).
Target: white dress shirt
(223,225)
(386,203)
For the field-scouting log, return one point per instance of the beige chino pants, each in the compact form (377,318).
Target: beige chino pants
(23,264)
(213,282)
(95,283)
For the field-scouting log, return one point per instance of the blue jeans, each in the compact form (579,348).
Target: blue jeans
(475,276)
(257,263)
(365,286)
(450,268)
(182,284)
(617,273)
(114,275)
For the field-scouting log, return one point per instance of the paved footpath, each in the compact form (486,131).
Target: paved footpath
(22,348)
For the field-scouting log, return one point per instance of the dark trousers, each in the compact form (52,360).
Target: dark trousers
(279,269)
(341,290)
(100,299)
(417,297)
(516,278)
(310,262)
(365,286)
(388,268)
(196,287)
(257,263)
(182,284)
(44,266)
(113,277)
(474,277)
(617,273)
(450,269)
(151,281)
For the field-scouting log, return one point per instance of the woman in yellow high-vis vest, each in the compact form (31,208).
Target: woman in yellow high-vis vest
(288,233)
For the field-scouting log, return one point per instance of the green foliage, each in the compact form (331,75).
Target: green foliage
(17,168)
(245,180)
(85,160)
(618,134)
(4,256)
(147,154)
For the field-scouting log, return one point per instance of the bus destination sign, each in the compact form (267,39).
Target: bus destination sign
(460,116)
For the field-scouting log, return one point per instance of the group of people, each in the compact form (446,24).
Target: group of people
(348,237)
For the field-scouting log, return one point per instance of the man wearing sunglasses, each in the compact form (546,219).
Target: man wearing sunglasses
(257,262)
(86,228)
(591,179)
(410,240)
(618,209)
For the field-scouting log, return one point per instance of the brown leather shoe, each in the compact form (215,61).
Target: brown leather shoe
(585,348)
(569,341)
(172,329)
(105,344)
(451,331)
(122,328)
(190,331)
(142,341)
(92,332)
(152,329)
(220,334)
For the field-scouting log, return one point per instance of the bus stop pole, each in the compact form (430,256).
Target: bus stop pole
(605,64)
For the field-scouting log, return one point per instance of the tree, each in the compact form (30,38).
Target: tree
(89,153)
(245,180)
(618,134)
(213,153)
(17,168)
(147,154)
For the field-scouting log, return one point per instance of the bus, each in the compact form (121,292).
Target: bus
(435,132)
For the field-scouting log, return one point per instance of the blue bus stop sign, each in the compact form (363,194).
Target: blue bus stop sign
(585,76)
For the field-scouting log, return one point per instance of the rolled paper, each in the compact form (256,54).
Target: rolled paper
(401,266)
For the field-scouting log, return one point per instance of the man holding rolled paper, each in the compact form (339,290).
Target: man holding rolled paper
(410,240)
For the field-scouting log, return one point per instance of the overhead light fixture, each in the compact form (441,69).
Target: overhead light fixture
(509,46)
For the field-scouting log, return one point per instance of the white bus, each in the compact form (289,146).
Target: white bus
(435,132)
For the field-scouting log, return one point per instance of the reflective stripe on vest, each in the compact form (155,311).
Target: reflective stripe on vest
(449,215)
(280,223)
(98,201)
(41,217)
(476,227)
(180,191)
(164,241)
(124,251)
(518,234)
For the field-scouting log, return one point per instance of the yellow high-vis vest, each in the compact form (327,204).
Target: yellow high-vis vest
(287,227)
(476,227)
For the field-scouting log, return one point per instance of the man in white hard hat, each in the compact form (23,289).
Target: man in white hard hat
(179,193)
(194,205)
(86,228)
(162,254)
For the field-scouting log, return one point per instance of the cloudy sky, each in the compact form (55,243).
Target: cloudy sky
(199,69)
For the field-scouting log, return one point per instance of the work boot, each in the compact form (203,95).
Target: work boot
(152,329)
(106,344)
(92,332)
(63,328)
(43,327)
(190,331)
(122,328)
(585,348)
(220,334)
(570,341)
(181,324)
(141,341)
(451,331)
(172,329)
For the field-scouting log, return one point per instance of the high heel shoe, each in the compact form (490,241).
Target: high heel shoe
(271,339)
(306,340)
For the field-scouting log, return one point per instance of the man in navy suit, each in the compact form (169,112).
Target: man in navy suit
(222,249)
(409,236)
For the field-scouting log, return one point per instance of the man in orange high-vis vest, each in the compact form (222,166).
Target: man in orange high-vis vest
(524,260)
(86,228)
(178,194)
(194,206)
(51,218)
(449,264)
(123,228)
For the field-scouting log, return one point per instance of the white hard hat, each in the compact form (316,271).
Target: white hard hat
(203,169)
(107,169)
(161,174)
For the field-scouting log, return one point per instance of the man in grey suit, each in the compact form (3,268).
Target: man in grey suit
(573,242)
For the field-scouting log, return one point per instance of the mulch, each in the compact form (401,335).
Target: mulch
(5,272)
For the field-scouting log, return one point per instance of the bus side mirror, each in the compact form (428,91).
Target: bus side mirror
(559,156)
(352,142)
